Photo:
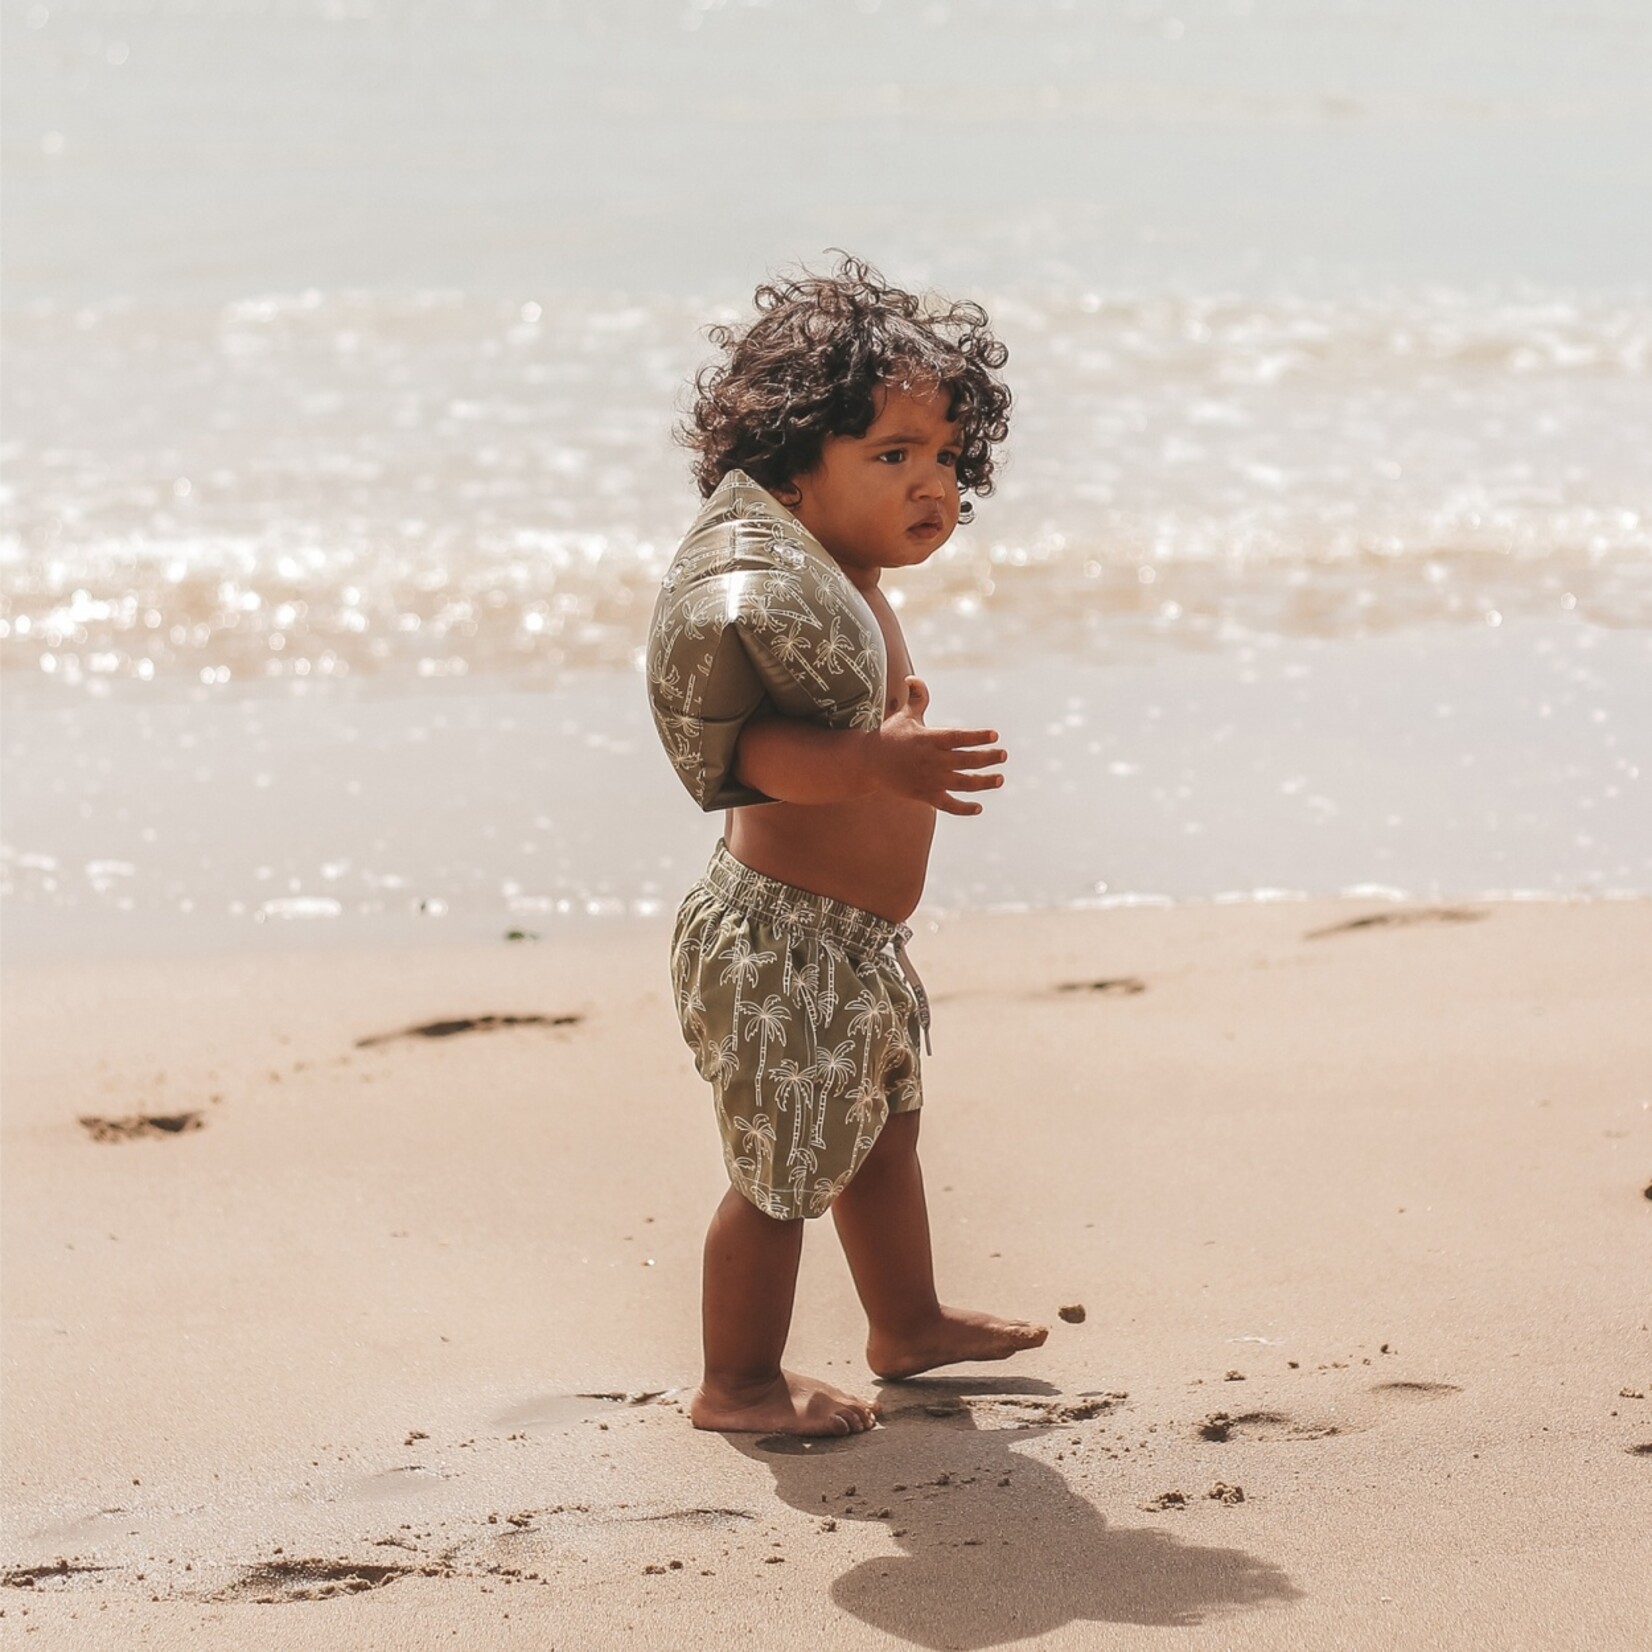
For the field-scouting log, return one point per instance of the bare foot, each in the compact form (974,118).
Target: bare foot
(957,1334)
(789,1405)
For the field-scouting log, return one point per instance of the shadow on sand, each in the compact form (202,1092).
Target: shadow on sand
(998,1546)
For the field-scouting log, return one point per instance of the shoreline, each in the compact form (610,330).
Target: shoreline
(335,1349)
(1446,765)
(298,938)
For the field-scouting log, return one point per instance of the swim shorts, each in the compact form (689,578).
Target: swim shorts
(804,1017)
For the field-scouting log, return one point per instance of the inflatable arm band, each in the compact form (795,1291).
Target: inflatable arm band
(754,615)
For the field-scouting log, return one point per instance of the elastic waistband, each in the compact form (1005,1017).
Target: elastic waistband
(787,907)
(801,909)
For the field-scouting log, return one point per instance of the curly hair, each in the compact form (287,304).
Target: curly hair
(811,363)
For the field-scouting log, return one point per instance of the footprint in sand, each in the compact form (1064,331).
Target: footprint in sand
(1416,1390)
(1111,986)
(533,1541)
(283,1580)
(134,1125)
(1222,1426)
(397,1482)
(468,1024)
(1400,918)
(564,1411)
(1009,1406)
(1015,1411)
(61,1574)
(716,1520)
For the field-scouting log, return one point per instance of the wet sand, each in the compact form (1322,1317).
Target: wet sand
(350,1299)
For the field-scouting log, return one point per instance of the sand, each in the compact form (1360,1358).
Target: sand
(379,1337)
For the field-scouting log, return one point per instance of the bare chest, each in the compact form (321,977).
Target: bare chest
(899,660)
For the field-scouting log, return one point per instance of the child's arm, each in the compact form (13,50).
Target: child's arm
(795,762)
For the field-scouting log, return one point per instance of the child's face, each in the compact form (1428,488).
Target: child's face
(888,499)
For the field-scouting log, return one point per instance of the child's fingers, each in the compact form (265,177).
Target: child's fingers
(974,782)
(978,759)
(957,737)
(951,806)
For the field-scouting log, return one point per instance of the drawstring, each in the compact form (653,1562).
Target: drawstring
(914,981)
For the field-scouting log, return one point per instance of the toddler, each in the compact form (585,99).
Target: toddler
(866,413)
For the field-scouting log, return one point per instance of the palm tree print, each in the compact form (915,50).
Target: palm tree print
(800,654)
(835,1067)
(866,1101)
(791,647)
(708,611)
(745,967)
(832,1069)
(757,1136)
(802,1164)
(790,1084)
(805,984)
(866,1016)
(827,1188)
(665,678)
(819,1000)
(719,1059)
(837,652)
(828,994)
(681,733)
(766,1023)
(866,1012)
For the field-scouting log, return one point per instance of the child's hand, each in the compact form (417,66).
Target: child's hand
(931,763)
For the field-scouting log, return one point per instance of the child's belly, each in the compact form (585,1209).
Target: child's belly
(872,852)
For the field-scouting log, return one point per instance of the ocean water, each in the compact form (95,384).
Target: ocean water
(344,340)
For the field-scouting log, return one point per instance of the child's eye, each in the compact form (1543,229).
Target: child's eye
(949,458)
(892,455)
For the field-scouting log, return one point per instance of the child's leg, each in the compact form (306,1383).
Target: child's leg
(750,1279)
(884,1225)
